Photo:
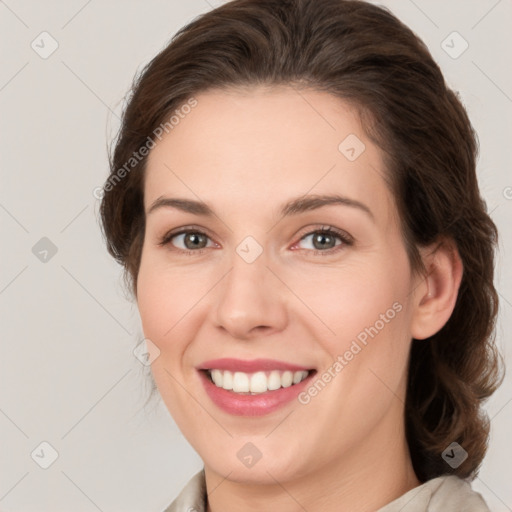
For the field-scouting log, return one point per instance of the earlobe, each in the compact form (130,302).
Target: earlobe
(436,297)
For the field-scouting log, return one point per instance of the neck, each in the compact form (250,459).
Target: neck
(363,480)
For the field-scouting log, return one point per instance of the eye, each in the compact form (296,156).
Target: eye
(326,240)
(187,240)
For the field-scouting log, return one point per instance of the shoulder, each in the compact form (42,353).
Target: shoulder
(454,493)
(447,493)
(192,497)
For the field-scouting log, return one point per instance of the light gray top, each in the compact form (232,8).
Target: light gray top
(447,493)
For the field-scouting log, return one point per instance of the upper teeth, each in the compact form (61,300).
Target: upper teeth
(258,382)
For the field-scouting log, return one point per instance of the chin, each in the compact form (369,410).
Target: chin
(246,467)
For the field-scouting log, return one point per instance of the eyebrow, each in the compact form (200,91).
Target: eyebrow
(293,207)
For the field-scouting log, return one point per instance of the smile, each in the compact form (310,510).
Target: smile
(252,388)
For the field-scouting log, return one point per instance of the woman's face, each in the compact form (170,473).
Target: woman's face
(254,278)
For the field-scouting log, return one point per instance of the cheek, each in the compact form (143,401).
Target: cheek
(158,301)
(158,290)
(367,312)
(170,306)
(154,307)
(351,299)
(162,308)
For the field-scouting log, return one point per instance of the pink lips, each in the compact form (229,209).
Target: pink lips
(251,405)
(256,365)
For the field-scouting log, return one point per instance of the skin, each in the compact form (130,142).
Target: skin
(245,153)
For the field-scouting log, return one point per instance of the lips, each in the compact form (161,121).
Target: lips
(245,400)
(252,366)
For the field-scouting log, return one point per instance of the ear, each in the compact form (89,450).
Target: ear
(436,292)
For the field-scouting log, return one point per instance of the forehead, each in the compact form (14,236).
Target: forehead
(249,146)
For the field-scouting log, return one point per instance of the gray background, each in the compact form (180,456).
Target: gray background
(68,373)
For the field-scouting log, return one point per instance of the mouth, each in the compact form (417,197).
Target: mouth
(244,383)
(253,388)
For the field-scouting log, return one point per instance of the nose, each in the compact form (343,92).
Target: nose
(250,300)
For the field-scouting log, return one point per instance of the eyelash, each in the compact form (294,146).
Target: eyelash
(346,240)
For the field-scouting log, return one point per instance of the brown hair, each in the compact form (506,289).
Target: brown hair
(362,54)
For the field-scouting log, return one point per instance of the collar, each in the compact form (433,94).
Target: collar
(447,493)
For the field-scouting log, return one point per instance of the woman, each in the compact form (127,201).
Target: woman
(293,196)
